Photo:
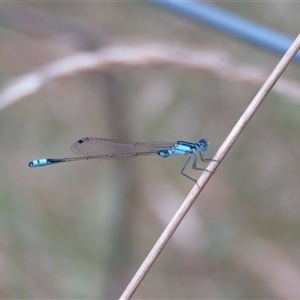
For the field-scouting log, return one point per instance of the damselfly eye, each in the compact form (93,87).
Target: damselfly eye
(203,145)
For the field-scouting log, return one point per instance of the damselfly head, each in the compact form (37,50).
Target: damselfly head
(203,145)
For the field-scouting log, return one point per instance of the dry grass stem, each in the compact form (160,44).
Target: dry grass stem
(204,178)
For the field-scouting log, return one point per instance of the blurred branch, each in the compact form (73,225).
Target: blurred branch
(112,58)
(231,24)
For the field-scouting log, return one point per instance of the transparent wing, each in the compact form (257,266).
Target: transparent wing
(106,148)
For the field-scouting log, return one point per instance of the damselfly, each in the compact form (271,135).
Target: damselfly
(93,148)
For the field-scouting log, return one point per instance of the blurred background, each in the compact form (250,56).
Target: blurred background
(82,229)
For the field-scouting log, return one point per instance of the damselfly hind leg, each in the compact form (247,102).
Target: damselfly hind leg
(183,168)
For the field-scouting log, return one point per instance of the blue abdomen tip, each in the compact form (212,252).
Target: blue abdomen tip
(38,163)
